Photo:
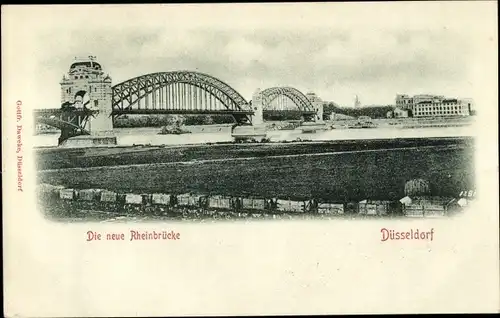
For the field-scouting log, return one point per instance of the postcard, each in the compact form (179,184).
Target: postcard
(263,159)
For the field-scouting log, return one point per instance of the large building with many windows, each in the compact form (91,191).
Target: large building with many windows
(407,102)
(434,106)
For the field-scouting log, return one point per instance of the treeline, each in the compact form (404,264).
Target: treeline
(370,111)
(127,121)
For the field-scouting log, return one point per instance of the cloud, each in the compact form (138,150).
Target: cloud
(336,63)
(240,50)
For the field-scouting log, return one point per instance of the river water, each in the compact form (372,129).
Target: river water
(137,136)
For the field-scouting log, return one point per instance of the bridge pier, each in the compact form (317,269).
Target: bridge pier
(318,106)
(257,131)
(315,122)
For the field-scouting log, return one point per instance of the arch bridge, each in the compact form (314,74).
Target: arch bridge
(179,92)
(279,100)
(175,92)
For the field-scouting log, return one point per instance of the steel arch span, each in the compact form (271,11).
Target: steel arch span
(71,121)
(61,124)
(296,96)
(179,92)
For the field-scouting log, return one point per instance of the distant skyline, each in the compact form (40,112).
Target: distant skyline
(334,50)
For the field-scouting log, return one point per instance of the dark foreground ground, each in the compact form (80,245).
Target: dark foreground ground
(337,170)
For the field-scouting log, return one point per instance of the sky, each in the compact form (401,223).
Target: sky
(336,50)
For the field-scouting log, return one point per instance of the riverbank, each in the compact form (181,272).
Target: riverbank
(395,123)
(336,170)
(62,158)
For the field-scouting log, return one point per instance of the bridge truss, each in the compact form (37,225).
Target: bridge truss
(71,121)
(179,92)
(279,100)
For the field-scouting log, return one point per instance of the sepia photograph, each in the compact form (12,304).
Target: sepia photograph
(210,123)
(234,159)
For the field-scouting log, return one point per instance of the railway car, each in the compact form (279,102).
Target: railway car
(67,194)
(193,200)
(290,206)
(253,204)
(330,208)
(219,202)
(132,198)
(427,206)
(89,194)
(108,196)
(161,199)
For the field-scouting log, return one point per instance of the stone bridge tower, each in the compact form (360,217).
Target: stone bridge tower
(257,131)
(318,106)
(86,86)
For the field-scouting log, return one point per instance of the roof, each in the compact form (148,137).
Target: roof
(89,64)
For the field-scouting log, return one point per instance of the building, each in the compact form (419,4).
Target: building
(357,102)
(407,102)
(433,105)
(400,113)
(444,107)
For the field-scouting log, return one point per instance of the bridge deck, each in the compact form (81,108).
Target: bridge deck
(179,112)
(57,111)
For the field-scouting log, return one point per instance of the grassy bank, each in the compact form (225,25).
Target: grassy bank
(379,174)
(57,158)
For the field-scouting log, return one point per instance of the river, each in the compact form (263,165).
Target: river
(136,136)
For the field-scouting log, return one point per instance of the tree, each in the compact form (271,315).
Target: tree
(208,120)
(176,120)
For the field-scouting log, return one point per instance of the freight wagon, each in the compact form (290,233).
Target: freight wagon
(374,207)
(89,194)
(290,206)
(220,202)
(192,200)
(253,204)
(209,204)
(330,208)
(427,206)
